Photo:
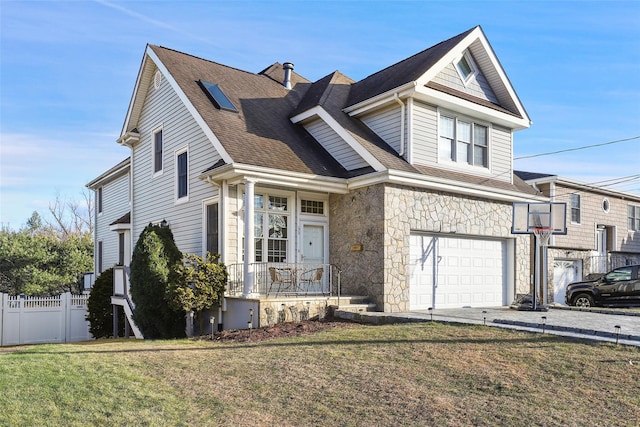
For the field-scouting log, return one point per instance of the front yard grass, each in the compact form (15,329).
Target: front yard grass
(392,375)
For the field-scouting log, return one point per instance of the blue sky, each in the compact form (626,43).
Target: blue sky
(68,69)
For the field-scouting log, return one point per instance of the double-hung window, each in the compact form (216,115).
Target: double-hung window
(99,200)
(575,208)
(463,141)
(633,217)
(157,151)
(213,229)
(182,174)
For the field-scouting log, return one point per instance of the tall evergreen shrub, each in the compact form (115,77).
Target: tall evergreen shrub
(100,310)
(154,267)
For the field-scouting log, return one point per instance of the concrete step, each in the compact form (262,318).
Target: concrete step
(355,308)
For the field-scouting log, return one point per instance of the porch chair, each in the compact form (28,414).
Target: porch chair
(282,278)
(312,278)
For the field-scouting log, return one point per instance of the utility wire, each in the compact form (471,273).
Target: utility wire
(576,149)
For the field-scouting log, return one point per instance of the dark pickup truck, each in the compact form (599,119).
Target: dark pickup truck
(620,286)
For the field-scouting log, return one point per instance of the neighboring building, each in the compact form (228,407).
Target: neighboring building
(603,230)
(112,235)
(398,187)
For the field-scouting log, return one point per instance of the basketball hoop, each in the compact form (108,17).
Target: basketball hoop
(543,234)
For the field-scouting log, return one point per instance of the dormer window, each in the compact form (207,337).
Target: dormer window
(465,67)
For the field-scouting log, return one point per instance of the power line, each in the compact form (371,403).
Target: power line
(576,149)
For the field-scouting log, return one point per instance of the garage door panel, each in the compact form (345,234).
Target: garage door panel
(470,272)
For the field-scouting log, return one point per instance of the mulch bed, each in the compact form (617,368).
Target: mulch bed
(279,330)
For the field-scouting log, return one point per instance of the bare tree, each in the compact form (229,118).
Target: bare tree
(71,217)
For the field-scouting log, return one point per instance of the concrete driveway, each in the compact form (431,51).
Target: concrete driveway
(592,324)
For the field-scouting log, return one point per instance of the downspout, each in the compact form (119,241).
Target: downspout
(409,140)
(402,119)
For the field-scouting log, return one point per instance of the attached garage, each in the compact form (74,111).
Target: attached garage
(455,272)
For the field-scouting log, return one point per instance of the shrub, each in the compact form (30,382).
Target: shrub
(154,266)
(201,285)
(100,309)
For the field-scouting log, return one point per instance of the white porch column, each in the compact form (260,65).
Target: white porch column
(249,246)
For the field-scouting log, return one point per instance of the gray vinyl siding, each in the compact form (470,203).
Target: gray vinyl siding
(425,134)
(387,125)
(476,86)
(115,204)
(154,197)
(425,142)
(500,152)
(335,145)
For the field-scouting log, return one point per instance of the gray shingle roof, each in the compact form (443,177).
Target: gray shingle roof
(261,133)
(403,72)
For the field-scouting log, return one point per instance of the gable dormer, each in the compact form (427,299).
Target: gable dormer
(450,106)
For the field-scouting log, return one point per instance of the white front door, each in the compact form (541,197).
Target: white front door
(564,272)
(601,248)
(312,244)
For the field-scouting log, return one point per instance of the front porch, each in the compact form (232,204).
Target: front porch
(270,293)
(269,279)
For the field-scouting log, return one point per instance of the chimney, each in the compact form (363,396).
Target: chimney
(288,67)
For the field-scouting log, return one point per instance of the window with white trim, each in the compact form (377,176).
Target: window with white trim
(212,228)
(315,207)
(633,217)
(272,219)
(575,208)
(157,151)
(182,174)
(463,141)
(99,197)
(465,67)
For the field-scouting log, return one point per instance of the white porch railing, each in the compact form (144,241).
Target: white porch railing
(605,263)
(285,279)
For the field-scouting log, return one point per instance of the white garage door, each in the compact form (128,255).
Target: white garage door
(564,272)
(470,272)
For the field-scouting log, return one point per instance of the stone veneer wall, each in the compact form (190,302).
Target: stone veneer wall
(357,218)
(382,217)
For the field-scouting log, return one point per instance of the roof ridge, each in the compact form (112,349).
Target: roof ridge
(464,33)
(206,60)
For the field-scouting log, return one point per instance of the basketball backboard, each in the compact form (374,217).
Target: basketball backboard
(528,216)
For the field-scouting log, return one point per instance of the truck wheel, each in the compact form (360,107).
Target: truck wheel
(583,300)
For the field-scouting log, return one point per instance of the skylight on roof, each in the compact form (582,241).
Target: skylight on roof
(217,96)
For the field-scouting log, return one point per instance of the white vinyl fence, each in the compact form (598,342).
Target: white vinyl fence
(36,320)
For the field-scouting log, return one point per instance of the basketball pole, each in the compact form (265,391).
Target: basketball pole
(536,275)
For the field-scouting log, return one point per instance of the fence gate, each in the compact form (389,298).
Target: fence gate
(36,320)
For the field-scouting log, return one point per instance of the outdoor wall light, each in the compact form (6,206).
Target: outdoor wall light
(164,223)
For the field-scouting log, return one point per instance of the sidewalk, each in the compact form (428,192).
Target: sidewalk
(597,325)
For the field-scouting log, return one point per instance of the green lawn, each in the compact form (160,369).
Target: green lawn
(410,374)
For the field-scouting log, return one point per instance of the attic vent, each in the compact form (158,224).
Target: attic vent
(157,79)
(217,96)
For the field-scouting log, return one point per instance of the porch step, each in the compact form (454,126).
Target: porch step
(355,308)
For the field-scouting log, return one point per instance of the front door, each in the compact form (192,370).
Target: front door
(313,244)
(601,249)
